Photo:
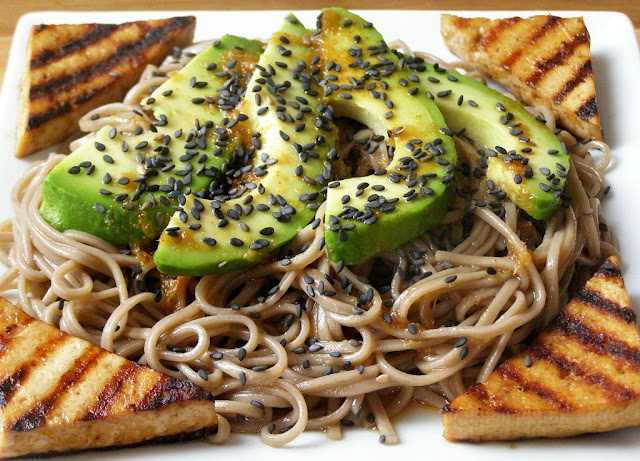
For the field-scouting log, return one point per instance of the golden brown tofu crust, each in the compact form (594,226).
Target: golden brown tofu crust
(59,393)
(542,60)
(580,375)
(74,68)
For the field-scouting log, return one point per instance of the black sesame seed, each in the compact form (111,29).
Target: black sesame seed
(451,278)
(460,342)
(464,352)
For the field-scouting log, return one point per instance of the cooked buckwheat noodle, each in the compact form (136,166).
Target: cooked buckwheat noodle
(280,361)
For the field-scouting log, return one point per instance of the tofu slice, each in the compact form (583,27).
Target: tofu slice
(59,393)
(542,60)
(580,375)
(74,68)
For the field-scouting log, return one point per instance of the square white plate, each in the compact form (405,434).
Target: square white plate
(616,63)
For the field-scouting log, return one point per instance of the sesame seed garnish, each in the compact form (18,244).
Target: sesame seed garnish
(461,341)
(464,352)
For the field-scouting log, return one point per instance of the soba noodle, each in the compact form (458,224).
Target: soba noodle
(341,359)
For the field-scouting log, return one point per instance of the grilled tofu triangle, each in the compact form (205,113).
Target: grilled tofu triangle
(580,375)
(542,60)
(74,68)
(59,394)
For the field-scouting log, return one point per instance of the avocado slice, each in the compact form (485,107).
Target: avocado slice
(525,158)
(366,81)
(183,151)
(122,188)
(208,87)
(288,145)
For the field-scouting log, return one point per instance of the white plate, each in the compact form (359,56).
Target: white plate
(616,63)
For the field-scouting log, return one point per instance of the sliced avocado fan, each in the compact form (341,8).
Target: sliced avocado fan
(122,188)
(288,146)
(366,81)
(524,158)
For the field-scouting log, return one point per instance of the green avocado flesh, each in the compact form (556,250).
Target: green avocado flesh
(207,87)
(365,81)
(525,158)
(241,153)
(122,187)
(288,145)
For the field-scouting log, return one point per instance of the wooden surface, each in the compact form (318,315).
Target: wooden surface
(11,10)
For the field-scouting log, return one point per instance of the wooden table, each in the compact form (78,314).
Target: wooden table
(11,10)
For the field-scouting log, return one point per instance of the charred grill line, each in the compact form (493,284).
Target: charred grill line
(508,371)
(126,51)
(37,415)
(551,22)
(111,391)
(588,110)
(595,300)
(594,341)
(6,338)
(565,51)
(581,75)
(97,33)
(492,35)
(10,384)
(169,390)
(614,391)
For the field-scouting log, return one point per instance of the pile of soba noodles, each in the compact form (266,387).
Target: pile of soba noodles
(280,361)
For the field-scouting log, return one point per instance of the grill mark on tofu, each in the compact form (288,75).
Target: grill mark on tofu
(5,333)
(596,342)
(549,24)
(494,33)
(479,393)
(41,118)
(97,33)
(13,382)
(10,384)
(588,110)
(125,52)
(606,306)
(169,390)
(508,371)
(580,76)
(615,392)
(39,28)
(110,392)
(567,49)
(37,415)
